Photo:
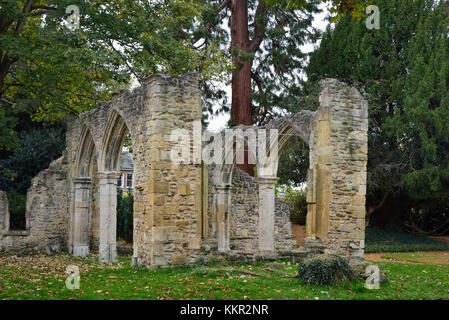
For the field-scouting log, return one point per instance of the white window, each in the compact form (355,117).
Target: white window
(129,180)
(121,182)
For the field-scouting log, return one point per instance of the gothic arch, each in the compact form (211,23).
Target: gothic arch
(114,137)
(87,153)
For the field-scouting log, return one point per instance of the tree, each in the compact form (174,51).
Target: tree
(51,71)
(264,45)
(386,65)
(265,41)
(36,149)
(421,125)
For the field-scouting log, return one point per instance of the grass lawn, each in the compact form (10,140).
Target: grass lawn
(441,257)
(383,241)
(43,277)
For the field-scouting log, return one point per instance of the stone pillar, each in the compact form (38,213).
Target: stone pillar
(266,212)
(311,205)
(108,217)
(223,218)
(4,216)
(81,217)
(336,186)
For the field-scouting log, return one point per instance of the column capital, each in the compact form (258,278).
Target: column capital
(222,188)
(110,175)
(82,180)
(267,180)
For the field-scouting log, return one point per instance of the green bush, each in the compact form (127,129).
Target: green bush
(297,201)
(17,210)
(325,270)
(125,209)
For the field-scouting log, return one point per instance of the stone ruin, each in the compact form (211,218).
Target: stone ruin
(184,211)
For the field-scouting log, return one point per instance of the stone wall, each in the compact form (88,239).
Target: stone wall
(171,230)
(245,215)
(245,211)
(283,236)
(46,213)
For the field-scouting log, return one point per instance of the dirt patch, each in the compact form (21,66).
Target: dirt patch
(299,232)
(377,257)
(421,257)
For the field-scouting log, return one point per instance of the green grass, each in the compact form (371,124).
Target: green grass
(384,241)
(43,277)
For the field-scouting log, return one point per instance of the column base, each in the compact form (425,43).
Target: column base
(107,254)
(81,251)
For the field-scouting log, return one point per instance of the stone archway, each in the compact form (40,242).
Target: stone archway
(86,164)
(336,181)
(97,169)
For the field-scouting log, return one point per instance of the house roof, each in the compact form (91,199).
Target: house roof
(127,161)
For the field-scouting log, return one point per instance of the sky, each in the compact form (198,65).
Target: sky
(218,123)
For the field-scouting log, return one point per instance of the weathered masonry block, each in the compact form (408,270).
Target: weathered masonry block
(188,209)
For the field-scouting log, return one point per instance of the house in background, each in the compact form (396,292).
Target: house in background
(126,181)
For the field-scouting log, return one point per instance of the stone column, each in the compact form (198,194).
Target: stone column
(81,217)
(222,214)
(108,217)
(4,212)
(266,212)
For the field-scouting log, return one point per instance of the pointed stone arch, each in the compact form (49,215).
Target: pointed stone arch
(114,137)
(87,152)
(86,165)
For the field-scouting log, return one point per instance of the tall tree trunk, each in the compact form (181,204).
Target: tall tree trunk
(241,73)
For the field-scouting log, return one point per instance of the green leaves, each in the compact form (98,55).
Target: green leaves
(421,125)
(34,151)
(66,72)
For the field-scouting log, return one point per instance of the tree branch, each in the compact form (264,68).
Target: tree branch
(224,4)
(260,21)
(43,8)
(26,10)
(371,210)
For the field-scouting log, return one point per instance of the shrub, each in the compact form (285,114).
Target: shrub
(125,209)
(325,270)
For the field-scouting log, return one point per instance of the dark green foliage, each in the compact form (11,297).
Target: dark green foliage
(420,125)
(37,148)
(382,241)
(325,270)
(8,137)
(125,211)
(17,210)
